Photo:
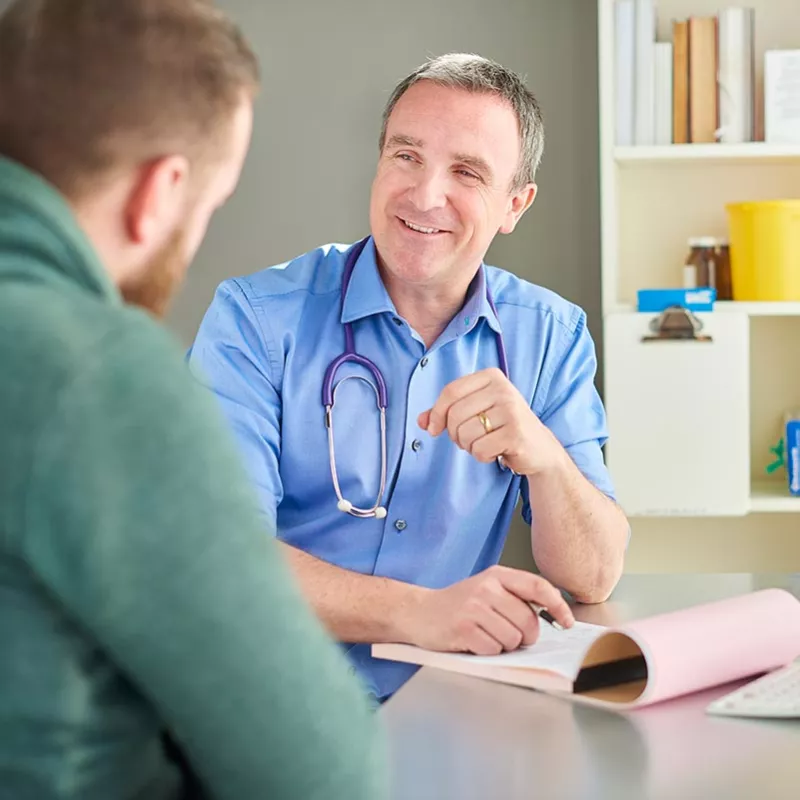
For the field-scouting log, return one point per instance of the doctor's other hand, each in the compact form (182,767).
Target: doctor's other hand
(485,415)
(486,614)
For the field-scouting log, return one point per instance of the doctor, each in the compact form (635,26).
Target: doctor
(394,397)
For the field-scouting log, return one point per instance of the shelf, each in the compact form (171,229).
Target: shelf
(725,306)
(749,152)
(772,496)
(776,309)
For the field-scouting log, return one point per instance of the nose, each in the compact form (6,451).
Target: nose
(429,190)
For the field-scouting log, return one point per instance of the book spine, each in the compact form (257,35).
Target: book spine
(703,92)
(782,96)
(663,93)
(680,82)
(736,75)
(624,58)
(644,105)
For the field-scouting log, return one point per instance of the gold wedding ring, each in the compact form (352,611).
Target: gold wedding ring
(487,425)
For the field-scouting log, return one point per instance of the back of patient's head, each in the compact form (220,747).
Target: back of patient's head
(90,88)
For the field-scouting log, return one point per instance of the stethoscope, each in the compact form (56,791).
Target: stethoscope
(379,387)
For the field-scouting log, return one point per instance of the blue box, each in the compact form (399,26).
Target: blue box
(693,299)
(793,455)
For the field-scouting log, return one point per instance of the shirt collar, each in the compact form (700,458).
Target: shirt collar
(366,294)
(477,305)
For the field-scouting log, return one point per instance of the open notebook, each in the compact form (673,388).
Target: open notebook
(642,662)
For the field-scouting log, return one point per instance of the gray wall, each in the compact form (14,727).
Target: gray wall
(328,69)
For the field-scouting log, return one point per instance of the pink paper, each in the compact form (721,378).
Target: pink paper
(716,643)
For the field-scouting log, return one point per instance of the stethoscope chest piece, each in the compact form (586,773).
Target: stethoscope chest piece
(344,505)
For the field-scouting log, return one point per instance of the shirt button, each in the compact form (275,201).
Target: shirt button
(416,445)
(424,362)
(400,524)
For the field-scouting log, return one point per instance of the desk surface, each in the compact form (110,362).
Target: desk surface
(458,738)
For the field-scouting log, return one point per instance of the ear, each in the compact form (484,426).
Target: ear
(157,199)
(518,204)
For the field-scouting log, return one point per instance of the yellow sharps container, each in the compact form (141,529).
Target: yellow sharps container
(765,250)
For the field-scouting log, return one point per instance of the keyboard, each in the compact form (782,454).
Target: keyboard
(775,695)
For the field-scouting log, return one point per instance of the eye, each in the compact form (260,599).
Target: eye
(465,173)
(405,156)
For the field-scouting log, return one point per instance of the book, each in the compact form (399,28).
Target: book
(624,70)
(680,82)
(782,96)
(644,79)
(703,90)
(736,75)
(643,662)
(663,92)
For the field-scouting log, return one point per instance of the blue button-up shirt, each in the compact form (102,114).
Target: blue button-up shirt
(264,346)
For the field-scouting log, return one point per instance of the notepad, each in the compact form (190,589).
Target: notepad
(556,651)
(645,661)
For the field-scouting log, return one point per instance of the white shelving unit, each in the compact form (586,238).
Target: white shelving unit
(770,497)
(748,153)
(681,443)
(786,309)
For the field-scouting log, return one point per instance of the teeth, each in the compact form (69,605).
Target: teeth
(420,229)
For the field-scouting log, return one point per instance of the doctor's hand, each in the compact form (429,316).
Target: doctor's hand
(485,614)
(485,414)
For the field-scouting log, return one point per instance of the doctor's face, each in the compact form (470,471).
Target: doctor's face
(443,185)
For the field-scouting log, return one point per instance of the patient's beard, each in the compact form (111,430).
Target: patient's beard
(155,286)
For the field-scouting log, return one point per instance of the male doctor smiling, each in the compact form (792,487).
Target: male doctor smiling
(413,557)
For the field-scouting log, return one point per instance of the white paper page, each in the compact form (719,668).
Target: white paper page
(559,651)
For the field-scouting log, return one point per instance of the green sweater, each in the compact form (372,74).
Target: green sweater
(142,599)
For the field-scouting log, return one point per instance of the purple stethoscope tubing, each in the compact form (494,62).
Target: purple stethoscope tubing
(381,395)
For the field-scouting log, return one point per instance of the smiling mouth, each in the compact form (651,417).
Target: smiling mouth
(420,228)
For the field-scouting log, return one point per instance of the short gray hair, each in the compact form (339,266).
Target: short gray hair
(481,76)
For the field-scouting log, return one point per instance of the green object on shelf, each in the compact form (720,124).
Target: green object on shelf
(779,451)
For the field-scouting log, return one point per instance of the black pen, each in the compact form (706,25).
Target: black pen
(542,612)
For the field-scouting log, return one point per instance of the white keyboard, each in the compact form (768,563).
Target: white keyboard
(776,694)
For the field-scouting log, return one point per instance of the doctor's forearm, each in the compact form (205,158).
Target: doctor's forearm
(578,534)
(354,607)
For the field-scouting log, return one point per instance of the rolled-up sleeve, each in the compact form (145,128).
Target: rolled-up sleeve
(572,409)
(234,358)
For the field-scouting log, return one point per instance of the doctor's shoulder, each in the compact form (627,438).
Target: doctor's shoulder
(531,305)
(271,301)
(317,271)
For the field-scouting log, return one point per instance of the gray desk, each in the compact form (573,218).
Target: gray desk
(459,738)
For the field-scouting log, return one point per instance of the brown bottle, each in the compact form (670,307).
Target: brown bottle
(708,265)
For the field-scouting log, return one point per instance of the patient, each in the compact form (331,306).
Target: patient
(153,644)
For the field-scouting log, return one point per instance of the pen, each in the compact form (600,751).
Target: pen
(546,616)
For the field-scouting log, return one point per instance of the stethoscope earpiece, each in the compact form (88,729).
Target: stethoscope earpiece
(380,512)
(345,506)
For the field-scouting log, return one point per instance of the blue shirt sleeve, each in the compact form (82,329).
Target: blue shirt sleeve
(573,411)
(232,356)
